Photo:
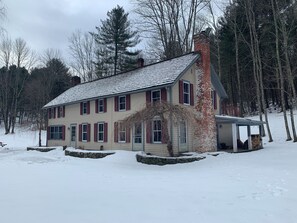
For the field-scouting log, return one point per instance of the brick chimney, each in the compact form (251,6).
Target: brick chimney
(140,62)
(75,80)
(205,136)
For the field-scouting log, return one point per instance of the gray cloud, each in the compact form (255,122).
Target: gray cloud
(49,23)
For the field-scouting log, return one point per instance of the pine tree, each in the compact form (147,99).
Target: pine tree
(114,38)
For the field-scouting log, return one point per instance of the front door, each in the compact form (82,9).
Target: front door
(183,140)
(137,137)
(73,135)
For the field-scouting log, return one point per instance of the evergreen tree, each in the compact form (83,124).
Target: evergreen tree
(114,38)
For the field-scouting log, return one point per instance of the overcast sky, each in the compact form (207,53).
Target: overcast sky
(47,24)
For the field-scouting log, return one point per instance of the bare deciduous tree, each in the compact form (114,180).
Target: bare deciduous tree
(23,55)
(82,48)
(16,52)
(254,45)
(280,28)
(50,54)
(6,51)
(171,23)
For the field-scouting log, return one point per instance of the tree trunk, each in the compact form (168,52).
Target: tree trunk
(40,127)
(282,85)
(238,70)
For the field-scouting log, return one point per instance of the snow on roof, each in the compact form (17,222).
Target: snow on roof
(158,74)
(237,120)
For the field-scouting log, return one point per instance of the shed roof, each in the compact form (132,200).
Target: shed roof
(221,119)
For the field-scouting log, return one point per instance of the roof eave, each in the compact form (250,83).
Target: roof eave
(110,96)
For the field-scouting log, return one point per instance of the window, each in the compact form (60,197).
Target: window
(138,133)
(183,132)
(84,132)
(101,105)
(56,132)
(61,111)
(100,133)
(122,133)
(52,113)
(84,107)
(157,131)
(186,93)
(156,96)
(122,103)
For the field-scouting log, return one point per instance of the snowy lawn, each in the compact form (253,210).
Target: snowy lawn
(255,187)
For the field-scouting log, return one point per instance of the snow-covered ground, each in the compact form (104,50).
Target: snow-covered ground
(258,187)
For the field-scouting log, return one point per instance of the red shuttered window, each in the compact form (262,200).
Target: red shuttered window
(186,93)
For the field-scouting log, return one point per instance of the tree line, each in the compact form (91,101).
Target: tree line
(24,90)
(253,48)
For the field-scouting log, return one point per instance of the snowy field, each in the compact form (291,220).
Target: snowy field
(255,187)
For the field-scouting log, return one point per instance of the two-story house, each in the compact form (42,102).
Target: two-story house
(89,115)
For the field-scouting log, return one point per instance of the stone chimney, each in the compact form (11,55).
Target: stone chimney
(205,135)
(140,62)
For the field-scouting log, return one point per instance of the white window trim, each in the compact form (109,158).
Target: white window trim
(189,93)
(119,104)
(138,136)
(82,132)
(152,95)
(100,123)
(119,133)
(153,131)
(59,133)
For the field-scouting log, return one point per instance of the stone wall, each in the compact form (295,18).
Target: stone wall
(87,154)
(155,160)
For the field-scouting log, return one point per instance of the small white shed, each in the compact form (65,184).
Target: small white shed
(228,134)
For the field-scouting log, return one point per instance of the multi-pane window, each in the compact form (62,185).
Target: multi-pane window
(183,132)
(122,133)
(186,94)
(84,132)
(138,133)
(156,96)
(84,107)
(122,103)
(101,105)
(56,132)
(157,131)
(100,132)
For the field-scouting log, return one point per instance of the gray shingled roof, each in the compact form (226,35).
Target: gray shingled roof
(159,74)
